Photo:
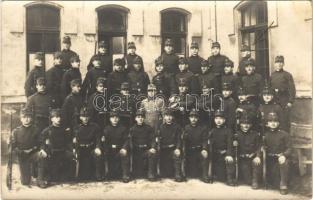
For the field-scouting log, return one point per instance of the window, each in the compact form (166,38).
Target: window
(254,33)
(43,31)
(174,26)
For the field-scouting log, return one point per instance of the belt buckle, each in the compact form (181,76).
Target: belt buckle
(113,146)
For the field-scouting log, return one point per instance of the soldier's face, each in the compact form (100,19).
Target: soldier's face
(182,67)
(117,68)
(96,63)
(75,64)
(159,68)
(206,91)
(26,120)
(114,120)
(100,88)
(193,120)
(125,92)
(57,61)
(132,51)
(139,119)
(40,87)
(226,93)
(245,127)
(204,69)
(38,62)
(242,98)
(268,97)
(219,121)
(102,50)
(194,51)
(151,93)
(137,67)
(278,66)
(84,119)
(168,49)
(182,89)
(250,69)
(273,124)
(228,69)
(168,119)
(66,46)
(245,54)
(56,121)
(76,89)
(215,51)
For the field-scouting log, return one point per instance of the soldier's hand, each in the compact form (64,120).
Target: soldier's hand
(97,151)
(256,161)
(204,153)
(74,140)
(229,159)
(289,105)
(239,110)
(67,129)
(102,139)
(74,151)
(172,99)
(47,142)
(181,109)
(281,159)
(177,152)
(152,150)
(42,153)
(235,143)
(123,152)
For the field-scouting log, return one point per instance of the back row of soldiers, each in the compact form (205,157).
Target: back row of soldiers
(95,138)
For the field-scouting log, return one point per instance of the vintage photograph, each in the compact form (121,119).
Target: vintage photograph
(156,99)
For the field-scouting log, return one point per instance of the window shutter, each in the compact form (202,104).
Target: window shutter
(196,24)
(136,22)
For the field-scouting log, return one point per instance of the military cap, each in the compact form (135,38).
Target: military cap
(229,63)
(219,113)
(25,112)
(167,111)
(241,91)
(151,87)
(226,86)
(280,58)
(75,82)
(66,39)
(75,58)
(95,57)
(118,62)
(102,44)
(158,61)
(250,61)
(267,90)
(57,55)
(39,56)
(55,112)
(140,112)
(114,113)
(125,86)
(168,42)
(182,60)
(205,87)
(137,60)
(182,82)
(204,63)
(194,112)
(194,45)
(245,48)
(131,45)
(272,116)
(245,118)
(216,44)
(101,80)
(41,81)
(84,112)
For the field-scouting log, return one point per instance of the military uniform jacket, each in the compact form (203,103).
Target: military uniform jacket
(170,62)
(70,109)
(124,104)
(53,138)
(30,84)
(222,141)
(142,135)
(106,62)
(194,63)
(284,86)
(115,79)
(40,103)
(188,78)
(170,135)
(116,135)
(253,84)
(250,109)
(88,134)
(24,138)
(208,79)
(232,80)
(164,83)
(242,66)
(218,62)
(265,109)
(139,81)
(184,101)
(196,136)
(249,143)
(69,75)
(90,81)
(277,141)
(66,58)
(97,105)
(129,62)
(153,108)
(230,112)
(54,80)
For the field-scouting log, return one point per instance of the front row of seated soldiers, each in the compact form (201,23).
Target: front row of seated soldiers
(170,151)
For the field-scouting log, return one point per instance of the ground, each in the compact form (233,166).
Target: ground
(138,189)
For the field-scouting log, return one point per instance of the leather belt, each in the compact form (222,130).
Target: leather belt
(274,154)
(168,146)
(115,146)
(196,147)
(247,155)
(85,145)
(140,146)
(221,152)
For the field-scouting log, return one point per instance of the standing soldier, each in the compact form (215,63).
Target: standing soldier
(54,78)
(230,78)
(170,148)
(143,148)
(103,54)
(24,142)
(116,149)
(185,74)
(117,77)
(278,149)
(67,53)
(206,106)
(284,87)
(207,78)
(130,57)
(194,61)
(34,74)
(138,78)
(69,75)
(222,146)
(245,55)
(229,106)
(170,60)
(196,138)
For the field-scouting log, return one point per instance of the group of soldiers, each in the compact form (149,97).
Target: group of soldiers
(195,118)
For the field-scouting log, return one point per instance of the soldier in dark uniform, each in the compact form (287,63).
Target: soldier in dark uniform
(252,82)
(229,106)
(185,74)
(128,60)
(87,143)
(143,148)
(103,54)
(24,142)
(249,152)
(54,78)
(194,61)
(90,81)
(207,78)
(206,106)
(98,104)
(245,55)
(55,155)
(170,60)
(117,77)
(284,87)
(138,78)
(170,147)
(40,103)
(196,139)
(221,139)
(116,148)
(34,74)
(69,75)
(67,53)
(230,78)
(278,149)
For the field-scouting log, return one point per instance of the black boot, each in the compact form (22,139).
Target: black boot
(230,180)
(151,169)
(178,175)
